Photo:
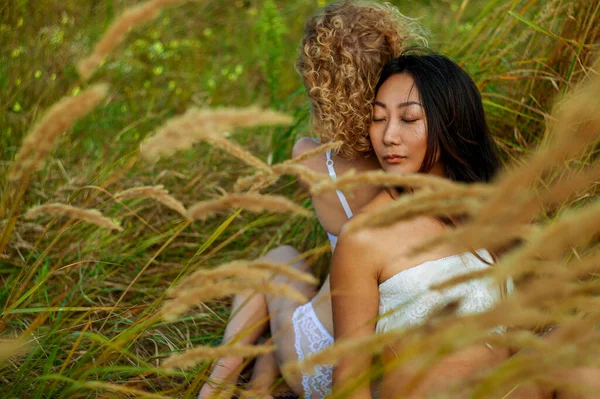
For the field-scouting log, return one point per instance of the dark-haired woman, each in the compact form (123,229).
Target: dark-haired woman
(428,118)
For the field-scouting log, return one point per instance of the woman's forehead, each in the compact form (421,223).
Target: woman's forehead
(398,89)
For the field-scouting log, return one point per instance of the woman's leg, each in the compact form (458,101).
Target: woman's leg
(264,374)
(251,313)
(249,320)
(281,311)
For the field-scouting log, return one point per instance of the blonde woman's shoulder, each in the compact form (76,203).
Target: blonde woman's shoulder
(304,144)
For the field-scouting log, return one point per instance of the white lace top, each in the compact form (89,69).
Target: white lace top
(408,291)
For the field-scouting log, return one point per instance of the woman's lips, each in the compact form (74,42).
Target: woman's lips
(393,158)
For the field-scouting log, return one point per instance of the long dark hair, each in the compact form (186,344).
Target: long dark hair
(456,125)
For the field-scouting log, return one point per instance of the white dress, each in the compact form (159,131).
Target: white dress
(406,300)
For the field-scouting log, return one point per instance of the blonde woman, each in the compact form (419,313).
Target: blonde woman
(345,47)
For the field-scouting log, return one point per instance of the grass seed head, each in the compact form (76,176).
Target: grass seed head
(88,215)
(61,116)
(351,179)
(421,204)
(195,125)
(255,182)
(243,269)
(234,149)
(251,202)
(332,146)
(11,347)
(199,354)
(116,33)
(185,299)
(155,192)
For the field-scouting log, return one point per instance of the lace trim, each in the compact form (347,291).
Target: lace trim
(311,337)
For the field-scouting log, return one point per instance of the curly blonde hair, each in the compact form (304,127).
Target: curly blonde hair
(344,49)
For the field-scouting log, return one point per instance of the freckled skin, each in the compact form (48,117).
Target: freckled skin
(399,127)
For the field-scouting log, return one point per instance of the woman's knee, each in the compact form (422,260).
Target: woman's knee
(282,254)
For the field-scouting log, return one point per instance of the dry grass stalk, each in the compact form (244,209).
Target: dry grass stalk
(238,152)
(198,281)
(11,347)
(333,353)
(466,330)
(543,356)
(573,229)
(529,203)
(499,230)
(302,172)
(415,342)
(470,237)
(584,267)
(261,180)
(566,188)
(256,187)
(410,206)
(155,192)
(577,125)
(460,279)
(333,146)
(196,125)
(397,213)
(251,202)
(351,179)
(525,205)
(255,182)
(61,116)
(241,268)
(199,354)
(88,215)
(187,298)
(119,390)
(131,18)
(227,118)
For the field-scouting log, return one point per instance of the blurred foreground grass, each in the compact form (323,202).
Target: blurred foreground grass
(86,298)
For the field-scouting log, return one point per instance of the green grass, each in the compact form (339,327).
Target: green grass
(88,298)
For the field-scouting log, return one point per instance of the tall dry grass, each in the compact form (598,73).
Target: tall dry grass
(89,215)
(550,288)
(131,18)
(92,303)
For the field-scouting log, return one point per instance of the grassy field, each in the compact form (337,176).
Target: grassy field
(86,299)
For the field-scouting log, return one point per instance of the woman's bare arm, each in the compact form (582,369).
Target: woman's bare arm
(355,305)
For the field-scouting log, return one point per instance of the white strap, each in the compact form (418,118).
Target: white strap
(340,195)
(329,164)
(332,240)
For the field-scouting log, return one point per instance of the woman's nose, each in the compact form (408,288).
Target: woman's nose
(392,134)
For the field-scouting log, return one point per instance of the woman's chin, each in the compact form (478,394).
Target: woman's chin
(398,168)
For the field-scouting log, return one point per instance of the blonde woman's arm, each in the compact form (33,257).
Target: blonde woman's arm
(355,305)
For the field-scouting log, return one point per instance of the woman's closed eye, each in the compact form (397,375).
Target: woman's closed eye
(411,117)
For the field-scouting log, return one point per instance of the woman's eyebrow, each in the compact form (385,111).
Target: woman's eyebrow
(400,105)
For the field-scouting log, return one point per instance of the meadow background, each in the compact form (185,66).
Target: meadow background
(86,299)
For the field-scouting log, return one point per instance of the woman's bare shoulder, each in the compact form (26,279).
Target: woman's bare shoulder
(304,144)
(393,241)
(359,249)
